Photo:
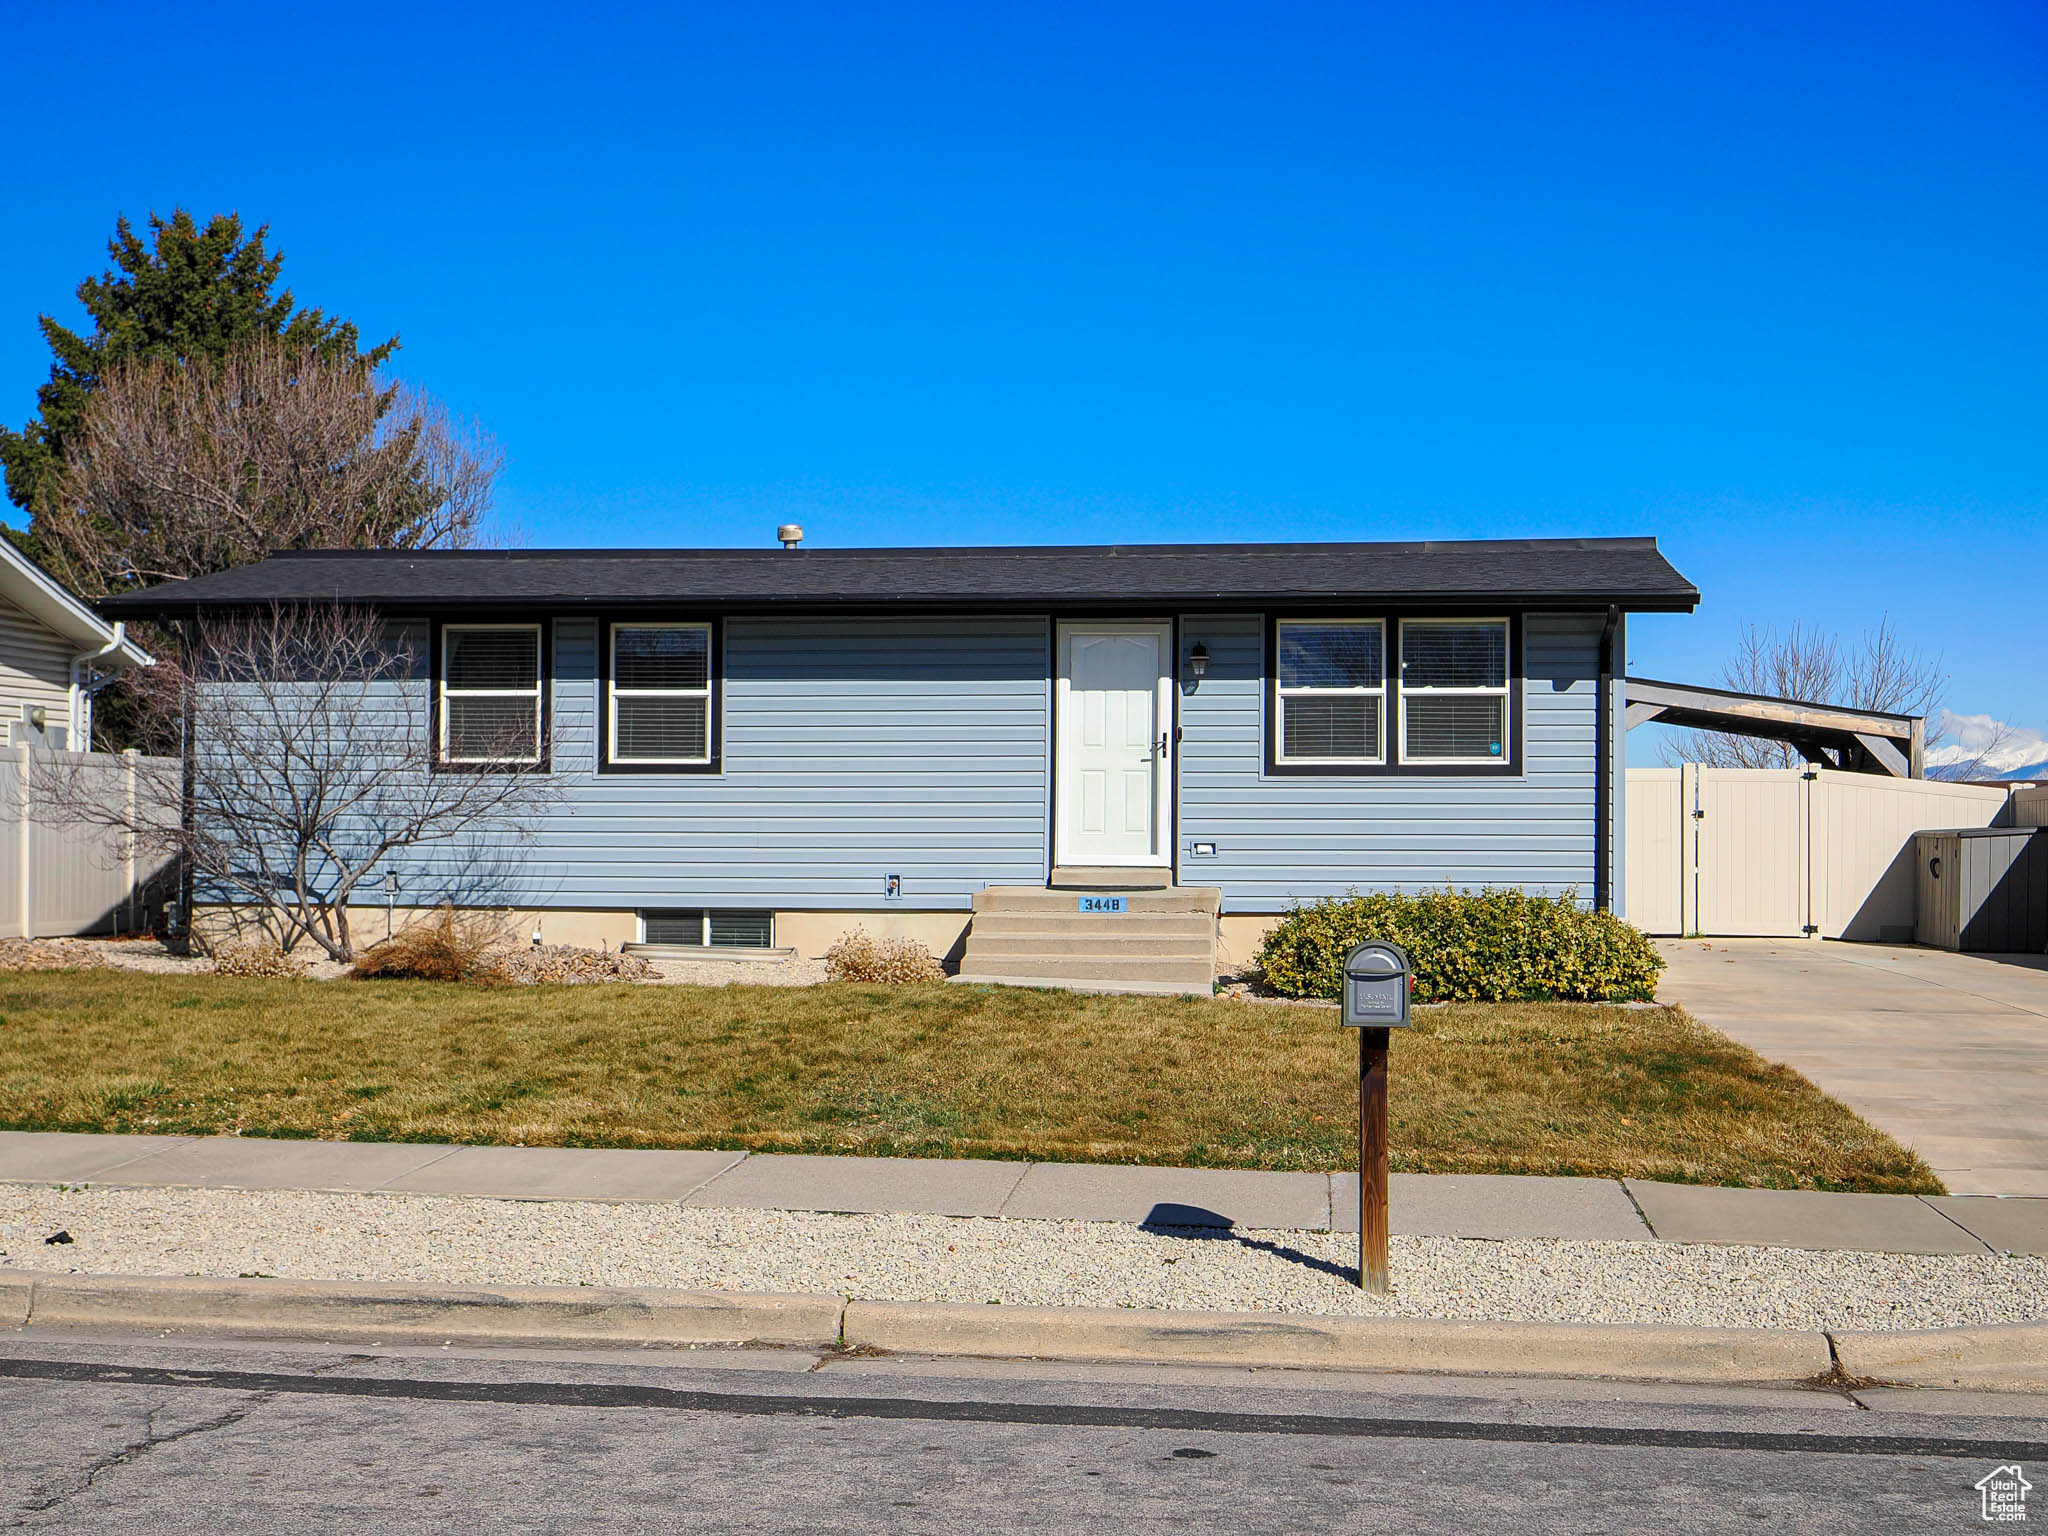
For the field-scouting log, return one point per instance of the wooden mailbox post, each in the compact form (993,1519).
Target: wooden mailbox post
(1376,984)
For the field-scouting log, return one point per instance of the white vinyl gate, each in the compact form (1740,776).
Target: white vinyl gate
(1784,852)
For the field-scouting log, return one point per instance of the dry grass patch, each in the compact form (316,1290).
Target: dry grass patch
(935,1071)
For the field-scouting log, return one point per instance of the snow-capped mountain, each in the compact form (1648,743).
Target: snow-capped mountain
(1984,747)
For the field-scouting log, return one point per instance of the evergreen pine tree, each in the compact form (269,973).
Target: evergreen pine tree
(185,293)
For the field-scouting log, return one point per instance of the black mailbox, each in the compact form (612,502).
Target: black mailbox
(1376,987)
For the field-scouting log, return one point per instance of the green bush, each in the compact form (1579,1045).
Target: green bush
(1489,946)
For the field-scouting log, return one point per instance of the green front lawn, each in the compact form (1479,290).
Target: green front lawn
(926,1071)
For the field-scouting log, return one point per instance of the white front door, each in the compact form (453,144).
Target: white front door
(1115,725)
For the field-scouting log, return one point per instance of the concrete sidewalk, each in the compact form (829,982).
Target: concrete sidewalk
(1425,1205)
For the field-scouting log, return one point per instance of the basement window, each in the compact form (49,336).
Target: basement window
(709,928)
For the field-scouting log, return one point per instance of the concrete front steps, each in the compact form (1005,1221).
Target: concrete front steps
(1163,942)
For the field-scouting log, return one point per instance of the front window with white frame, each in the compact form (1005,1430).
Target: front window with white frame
(490,703)
(1454,691)
(660,704)
(1331,685)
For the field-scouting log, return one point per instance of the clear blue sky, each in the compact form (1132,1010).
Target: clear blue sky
(1765,281)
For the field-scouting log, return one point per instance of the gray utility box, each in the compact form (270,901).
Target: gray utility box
(1376,982)
(1982,889)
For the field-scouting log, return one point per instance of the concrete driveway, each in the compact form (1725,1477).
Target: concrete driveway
(1947,1052)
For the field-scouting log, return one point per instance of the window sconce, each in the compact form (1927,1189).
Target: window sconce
(1198,660)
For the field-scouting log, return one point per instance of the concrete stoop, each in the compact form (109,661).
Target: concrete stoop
(1163,942)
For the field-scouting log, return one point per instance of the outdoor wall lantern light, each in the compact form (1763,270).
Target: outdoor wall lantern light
(1198,659)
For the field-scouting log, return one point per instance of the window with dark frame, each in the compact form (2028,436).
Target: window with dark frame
(1330,680)
(660,694)
(1454,691)
(490,701)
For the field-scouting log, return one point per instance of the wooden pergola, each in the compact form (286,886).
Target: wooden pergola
(1830,735)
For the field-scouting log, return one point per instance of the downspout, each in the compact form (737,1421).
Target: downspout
(187,790)
(81,696)
(1603,777)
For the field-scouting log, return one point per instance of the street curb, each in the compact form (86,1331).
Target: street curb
(2005,1357)
(1358,1343)
(328,1308)
(15,1290)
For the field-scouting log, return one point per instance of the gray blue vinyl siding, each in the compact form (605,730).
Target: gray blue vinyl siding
(852,749)
(858,747)
(1283,839)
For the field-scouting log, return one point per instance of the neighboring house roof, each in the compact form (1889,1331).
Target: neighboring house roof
(1521,573)
(51,604)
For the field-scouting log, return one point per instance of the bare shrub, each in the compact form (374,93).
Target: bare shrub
(312,767)
(449,946)
(563,965)
(263,959)
(859,956)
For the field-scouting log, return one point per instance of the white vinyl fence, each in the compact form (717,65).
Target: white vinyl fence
(60,876)
(1784,852)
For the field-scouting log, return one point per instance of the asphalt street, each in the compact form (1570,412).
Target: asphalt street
(113,1434)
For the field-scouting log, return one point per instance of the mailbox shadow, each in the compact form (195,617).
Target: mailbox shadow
(1198,1224)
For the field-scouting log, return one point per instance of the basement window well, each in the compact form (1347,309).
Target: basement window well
(708,928)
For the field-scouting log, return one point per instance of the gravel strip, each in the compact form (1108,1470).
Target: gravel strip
(793,972)
(150,956)
(462,1240)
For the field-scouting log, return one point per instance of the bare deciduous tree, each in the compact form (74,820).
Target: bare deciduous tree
(179,470)
(310,766)
(1879,671)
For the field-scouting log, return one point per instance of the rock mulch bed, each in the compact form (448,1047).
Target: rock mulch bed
(565,965)
(431,1239)
(53,955)
(793,972)
(553,963)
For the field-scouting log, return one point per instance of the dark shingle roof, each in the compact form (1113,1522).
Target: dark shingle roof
(1630,573)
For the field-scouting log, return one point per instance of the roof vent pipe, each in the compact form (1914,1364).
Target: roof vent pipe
(791,534)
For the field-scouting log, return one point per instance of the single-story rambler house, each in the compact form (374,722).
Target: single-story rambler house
(767,748)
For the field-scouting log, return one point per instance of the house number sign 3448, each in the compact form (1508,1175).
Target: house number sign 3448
(1102,903)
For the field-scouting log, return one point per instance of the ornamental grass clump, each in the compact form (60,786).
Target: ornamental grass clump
(1489,946)
(449,946)
(859,956)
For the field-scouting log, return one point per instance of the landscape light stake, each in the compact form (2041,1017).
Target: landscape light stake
(1374,1157)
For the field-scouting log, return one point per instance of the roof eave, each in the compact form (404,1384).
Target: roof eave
(138,605)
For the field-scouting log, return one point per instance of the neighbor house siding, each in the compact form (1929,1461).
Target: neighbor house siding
(35,668)
(852,749)
(1281,839)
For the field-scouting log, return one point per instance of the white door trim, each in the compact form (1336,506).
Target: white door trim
(1065,734)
